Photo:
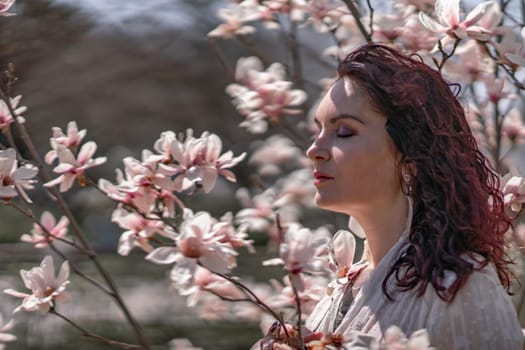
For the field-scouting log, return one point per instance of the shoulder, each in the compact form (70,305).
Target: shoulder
(481,316)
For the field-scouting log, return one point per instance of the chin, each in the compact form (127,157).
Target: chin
(328,204)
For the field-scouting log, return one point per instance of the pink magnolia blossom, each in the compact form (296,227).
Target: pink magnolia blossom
(4,336)
(324,15)
(199,162)
(204,281)
(72,140)
(141,183)
(469,63)
(416,37)
(4,6)
(235,16)
(72,168)
(299,252)
(513,126)
(512,52)
(447,13)
(389,27)
(14,178)
(139,230)
(513,192)
(45,287)
(275,153)
(201,240)
(47,231)
(6,118)
(263,96)
(258,212)
(293,8)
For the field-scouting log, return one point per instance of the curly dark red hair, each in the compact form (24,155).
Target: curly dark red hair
(458,207)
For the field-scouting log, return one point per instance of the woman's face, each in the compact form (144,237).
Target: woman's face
(354,158)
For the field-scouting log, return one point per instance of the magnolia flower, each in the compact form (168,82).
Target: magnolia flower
(513,192)
(513,53)
(324,15)
(201,240)
(299,253)
(341,253)
(45,287)
(234,18)
(139,230)
(513,126)
(415,36)
(198,161)
(263,96)
(277,151)
(6,118)
(14,178)
(72,168)
(4,6)
(470,63)
(6,337)
(47,230)
(293,8)
(447,12)
(72,140)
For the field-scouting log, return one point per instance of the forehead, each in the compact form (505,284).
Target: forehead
(345,97)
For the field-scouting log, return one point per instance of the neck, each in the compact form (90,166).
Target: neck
(383,226)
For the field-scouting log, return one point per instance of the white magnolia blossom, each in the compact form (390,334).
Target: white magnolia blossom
(45,287)
(447,13)
(13,178)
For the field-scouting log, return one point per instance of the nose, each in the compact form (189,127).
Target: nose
(316,152)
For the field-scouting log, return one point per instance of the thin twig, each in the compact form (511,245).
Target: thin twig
(229,70)
(371,17)
(297,66)
(357,16)
(100,338)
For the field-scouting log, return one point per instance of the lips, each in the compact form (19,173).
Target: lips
(321,177)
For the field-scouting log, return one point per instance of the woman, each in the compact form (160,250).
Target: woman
(394,151)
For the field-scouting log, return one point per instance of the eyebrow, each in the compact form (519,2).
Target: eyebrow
(342,116)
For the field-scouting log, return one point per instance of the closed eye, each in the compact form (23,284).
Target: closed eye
(345,131)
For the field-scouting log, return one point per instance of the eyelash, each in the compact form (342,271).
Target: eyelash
(347,132)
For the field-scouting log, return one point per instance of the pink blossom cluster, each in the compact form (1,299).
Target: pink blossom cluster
(72,161)
(263,96)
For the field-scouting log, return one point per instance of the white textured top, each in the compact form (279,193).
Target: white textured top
(481,316)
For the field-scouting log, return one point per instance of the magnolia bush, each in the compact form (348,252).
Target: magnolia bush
(482,49)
